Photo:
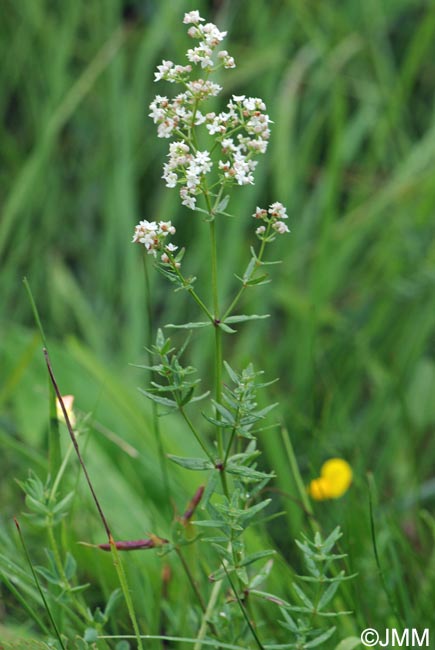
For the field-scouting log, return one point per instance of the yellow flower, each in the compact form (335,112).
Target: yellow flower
(68,401)
(335,479)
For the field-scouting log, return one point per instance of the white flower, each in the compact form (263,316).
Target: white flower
(166,228)
(164,130)
(163,70)
(243,169)
(213,36)
(278,211)
(254,104)
(280,227)
(259,213)
(202,88)
(192,17)
(201,54)
(151,235)
(203,162)
(260,230)
(187,199)
(170,177)
(227,60)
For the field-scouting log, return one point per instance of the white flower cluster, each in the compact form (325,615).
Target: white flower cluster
(152,235)
(241,130)
(273,219)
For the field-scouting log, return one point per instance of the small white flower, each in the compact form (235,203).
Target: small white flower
(187,199)
(192,17)
(260,230)
(165,129)
(166,228)
(201,54)
(213,36)
(280,227)
(277,210)
(259,213)
(203,162)
(170,177)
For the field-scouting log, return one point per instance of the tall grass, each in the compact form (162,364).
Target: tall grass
(350,87)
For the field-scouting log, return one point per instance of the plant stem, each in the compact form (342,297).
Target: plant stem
(207,614)
(190,578)
(196,434)
(66,584)
(54,453)
(154,407)
(126,591)
(298,479)
(243,610)
(38,586)
(241,291)
(218,343)
(192,292)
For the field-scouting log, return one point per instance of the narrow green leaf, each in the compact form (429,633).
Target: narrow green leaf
(303,597)
(328,594)
(247,472)
(197,464)
(190,326)
(159,400)
(209,523)
(321,638)
(36,506)
(226,328)
(249,559)
(331,540)
(48,575)
(70,567)
(242,318)
(63,505)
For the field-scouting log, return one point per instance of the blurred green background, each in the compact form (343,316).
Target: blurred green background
(350,88)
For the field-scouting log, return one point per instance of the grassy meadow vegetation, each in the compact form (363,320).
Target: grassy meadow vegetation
(350,88)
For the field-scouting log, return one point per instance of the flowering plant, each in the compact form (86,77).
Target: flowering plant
(233,497)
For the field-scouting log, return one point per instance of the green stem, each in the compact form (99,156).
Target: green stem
(20,599)
(190,289)
(54,454)
(218,331)
(191,578)
(244,286)
(298,479)
(154,407)
(207,614)
(196,434)
(218,342)
(126,591)
(61,471)
(66,584)
(243,610)
(38,586)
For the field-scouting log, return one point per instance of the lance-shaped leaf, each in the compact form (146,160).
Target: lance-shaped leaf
(197,464)
(321,638)
(165,401)
(247,472)
(242,318)
(190,326)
